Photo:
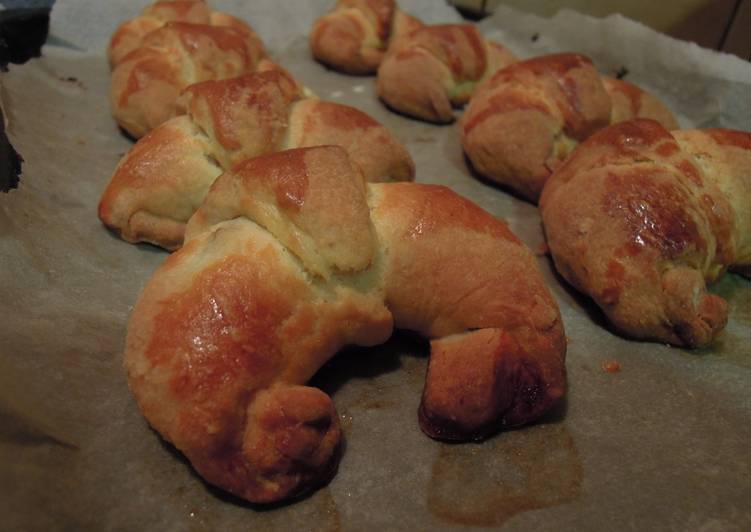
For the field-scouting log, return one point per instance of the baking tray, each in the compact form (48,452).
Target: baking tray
(662,444)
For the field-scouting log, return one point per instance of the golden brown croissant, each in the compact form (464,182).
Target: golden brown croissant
(640,219)
(130,34)
(524,121)
(160,183)
(147,82)
(291,257)
(431,70)
(355,34)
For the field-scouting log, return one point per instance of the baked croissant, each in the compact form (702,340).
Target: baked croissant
(355,34)
(147,82)
(525,120)
(160,183)
(431,70)
(641,219)
(130,34)
(292,257)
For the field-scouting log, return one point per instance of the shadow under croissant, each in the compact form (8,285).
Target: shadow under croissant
(226,497)
(126,135)
(146,247)
(494,184)
(384,358)
(583,302)
(331,70)
(413,118)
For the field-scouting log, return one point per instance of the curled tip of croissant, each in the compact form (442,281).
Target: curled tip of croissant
(291,445)
(694,315)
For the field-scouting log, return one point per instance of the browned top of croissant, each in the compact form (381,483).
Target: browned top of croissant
(461,47)
(130,34)
(527,118)
(430,70)
(272,282)
(639,219)
(160,183)
(354,35)
(147,82)
(629,101)
(569,81)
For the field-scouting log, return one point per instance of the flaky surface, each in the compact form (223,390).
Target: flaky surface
(354,35)
(148,80)
(522,123)
(160,183)
(429,71)
(272,282)
(130,34)
(641,219)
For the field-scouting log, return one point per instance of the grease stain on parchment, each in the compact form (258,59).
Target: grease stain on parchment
(328,507)
(515,472)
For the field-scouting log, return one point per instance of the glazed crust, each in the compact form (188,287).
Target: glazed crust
(130,34)
(641,219)
(429,71)
(522,123)
(160,183)
(355,34)
(272,282)
(148,80)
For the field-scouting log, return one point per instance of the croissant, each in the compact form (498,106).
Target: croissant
(354,35)
(273,281)
(147,82)
(433,69)
(158,185)
(130,34)
(641,219)
(525,120)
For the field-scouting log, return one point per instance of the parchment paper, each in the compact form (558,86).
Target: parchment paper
(661,445)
